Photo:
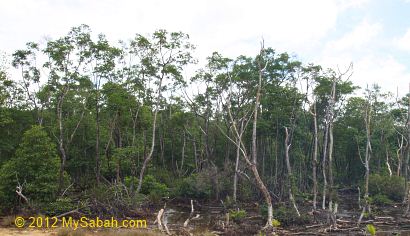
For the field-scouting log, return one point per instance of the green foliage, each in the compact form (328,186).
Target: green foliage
(285,215)
(380,200)
(275,223)
(59,206)
(237,215)
(192,187)
(154,189)
(371,229)
(389,186)
(35,167)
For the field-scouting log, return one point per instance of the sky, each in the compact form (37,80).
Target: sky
(374,35)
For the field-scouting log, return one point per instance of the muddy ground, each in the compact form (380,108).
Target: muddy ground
(387,219)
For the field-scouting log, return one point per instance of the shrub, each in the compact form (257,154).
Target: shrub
(154,189)
(237,215)
(192,187)
(35,166)
(275,223)
(380,200)
(61,205)
(371,229)
(389,186)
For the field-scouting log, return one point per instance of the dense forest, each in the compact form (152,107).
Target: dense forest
(111,129)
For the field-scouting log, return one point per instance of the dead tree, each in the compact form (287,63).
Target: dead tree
(251,159)
(366,161)
(406,163)
(238,155)
(314,159)
(332,208)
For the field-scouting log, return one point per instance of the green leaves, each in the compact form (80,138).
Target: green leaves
(35,167)
(371,229)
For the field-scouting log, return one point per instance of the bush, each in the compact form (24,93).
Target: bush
(35,166)
(192,187)
(154,189)
(380,200)
(61,205)
(237,215)
(371,229)
(275,223)
(389,186)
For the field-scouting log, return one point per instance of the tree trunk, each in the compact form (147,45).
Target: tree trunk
(254,168)
(367,120)
(238,155)
(324,166)
(97,142)
(314,160)
(290,176)
(406,163)
(183,153)
(63,158)
(265,192)
(148,157)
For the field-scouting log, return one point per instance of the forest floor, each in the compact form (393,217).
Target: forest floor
(388,220)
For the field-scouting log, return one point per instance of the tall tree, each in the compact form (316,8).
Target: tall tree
(162,58)
(67,58)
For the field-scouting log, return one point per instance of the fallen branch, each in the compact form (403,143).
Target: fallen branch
(19,191)
(160,220)
(66,189)
(344,221)
(313,226)
(191,215)
(68,213)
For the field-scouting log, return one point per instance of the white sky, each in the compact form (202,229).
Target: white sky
(373,34)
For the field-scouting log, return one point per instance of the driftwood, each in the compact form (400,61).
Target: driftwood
(384,218)
(344,221)
(191,215)
(19,191)
(160,221)
(313,226)
(68,213)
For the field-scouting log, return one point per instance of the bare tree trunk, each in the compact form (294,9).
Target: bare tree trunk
(325,143)
(235,177)
(367,120)
(290,176)
(97,143)
(183,153)
(154,123)
(61,142)
(314,160)
(251,160)
(406,163)
(388,163)
(238,155)
(254,168)
(332,209)
(399,154)
(276,152)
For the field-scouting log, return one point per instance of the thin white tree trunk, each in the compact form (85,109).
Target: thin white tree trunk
(154,123)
